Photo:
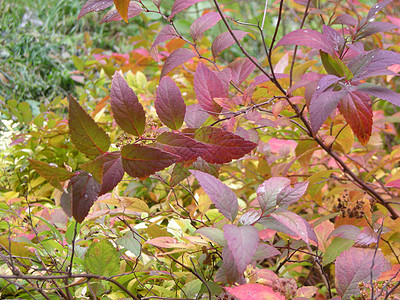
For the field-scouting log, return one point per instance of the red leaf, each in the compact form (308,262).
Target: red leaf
(309,38)
(254,291)
(128,112)
(54,174)
(356,109)
(222,196)
(182,146)
(94,5)
(222,146)
(85,134)
(107,169)
(142,161)
(134,10)
(208,86)
(204,23)
(241,69)
(85,190)
(225,40)
(180,5)
(356,265)
(167,33)
(176,58)
(169,104)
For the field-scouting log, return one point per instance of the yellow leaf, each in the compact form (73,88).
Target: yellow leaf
(122,8)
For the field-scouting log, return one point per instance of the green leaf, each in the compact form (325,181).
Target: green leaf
(53,174)
(102,259)
(337,246)
(129,242)
(85,134)
(334,66)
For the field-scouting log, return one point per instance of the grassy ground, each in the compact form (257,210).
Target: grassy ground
(37,40)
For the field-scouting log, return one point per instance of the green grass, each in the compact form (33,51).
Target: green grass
(37,40)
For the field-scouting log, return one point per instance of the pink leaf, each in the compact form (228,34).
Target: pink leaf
(142,161)
(167,33)
(94,5)
(195,116)
(180,5)
(204,23)
(222,146)
(254,291)
(182,146)
(225,40)
(134,10)
(169,104)
(309,38)
(230,271)
(243,242)
(176,58)
(349,232)
(208,86)
(222,196)
(394,183)
(268,191)
(241,69)
(356,265)
(366,237)
(265,251)
(128,112)
(377,8)
(289,195)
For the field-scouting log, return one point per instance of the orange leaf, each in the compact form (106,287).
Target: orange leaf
(122,8)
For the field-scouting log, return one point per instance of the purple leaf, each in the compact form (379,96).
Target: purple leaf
(204,23)
(182,146)
(289,195)
(243,243)
(349,232)
(241,69)
(208,86)
(290,223)
(366,237)
(377,8)
(225,40)
(169,104)
(250,217)
(195,116)
(222,146)
(94,5)
(373,63)
(176,58)
(107,169)
(375,27)
(230,270)
(268,191)
(357,111)
(380,92)
(335,37)
(85,190)
(167,33)
(222,196)
(309,38)
(346,20)
(142,161)
(134,10)
(322,105)
(157,2)
(265,251)
(214,234)
(356,265)
(128,112)
(180,5)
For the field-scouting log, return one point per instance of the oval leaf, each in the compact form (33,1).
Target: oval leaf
(128,112)
(102,259)
(113,15)
(222,196)
(53,174)
(225,40)
(142,161)
(94,5)
(169,104)
(204,23)
(176,58)
(180,5)
(180,145)
(85,134)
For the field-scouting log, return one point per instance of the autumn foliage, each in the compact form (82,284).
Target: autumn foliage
(227,158)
